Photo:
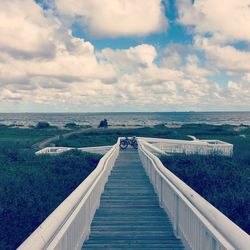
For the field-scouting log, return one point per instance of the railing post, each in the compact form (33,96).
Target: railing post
(176,228)
(88,218)
(214,244)
(147,165)
(155,179)
(149,171)
(161,192)
(207,241)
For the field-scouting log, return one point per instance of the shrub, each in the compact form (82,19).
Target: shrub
(41,125)
(71,125)
(103,124)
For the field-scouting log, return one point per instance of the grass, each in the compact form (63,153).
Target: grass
(31,187)
(26,136)
(102,137)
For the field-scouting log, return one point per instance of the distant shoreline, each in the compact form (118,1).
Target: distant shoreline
(122,126)
(128,119)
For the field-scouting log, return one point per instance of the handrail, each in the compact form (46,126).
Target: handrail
(59,150)
(153,148)
(68,225)
(216,226)
(175,141)
(196,146)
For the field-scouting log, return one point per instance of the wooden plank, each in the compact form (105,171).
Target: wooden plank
(129,216)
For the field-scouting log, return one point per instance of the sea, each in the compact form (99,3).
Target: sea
(127,119)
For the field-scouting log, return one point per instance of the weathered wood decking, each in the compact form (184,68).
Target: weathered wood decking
(129,216)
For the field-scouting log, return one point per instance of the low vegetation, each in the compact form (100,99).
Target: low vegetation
(26,136)
(103,124)
(31,187)
(71,125)
(74,126)
(102,137)
(41,125)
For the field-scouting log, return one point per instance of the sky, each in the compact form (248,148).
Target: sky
(124,55)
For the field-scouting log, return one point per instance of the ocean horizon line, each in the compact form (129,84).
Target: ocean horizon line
(121,112)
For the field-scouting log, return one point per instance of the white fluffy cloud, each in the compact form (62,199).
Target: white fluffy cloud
(225,19)
(238,92)
(225,57)
(114,18)
(25,31)
(129,59)
(34,43)
(217,26)
(41,62)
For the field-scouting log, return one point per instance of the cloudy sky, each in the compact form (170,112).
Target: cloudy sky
(124,55)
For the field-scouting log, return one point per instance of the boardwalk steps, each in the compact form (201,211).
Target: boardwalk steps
(129,216)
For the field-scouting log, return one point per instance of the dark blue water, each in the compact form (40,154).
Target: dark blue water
(93,119)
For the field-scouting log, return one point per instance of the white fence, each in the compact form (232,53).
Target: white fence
(195,221)
(67,227)
(58,150)
(190,147)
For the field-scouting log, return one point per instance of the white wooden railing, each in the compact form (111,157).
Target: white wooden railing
(68,226)
(190,147)
(58,150)
(196,222)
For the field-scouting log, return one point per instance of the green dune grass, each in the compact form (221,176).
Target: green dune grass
(25,137)
(101,137)
(31,187)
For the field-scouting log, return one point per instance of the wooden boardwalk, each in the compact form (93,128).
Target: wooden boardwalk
(129,216)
